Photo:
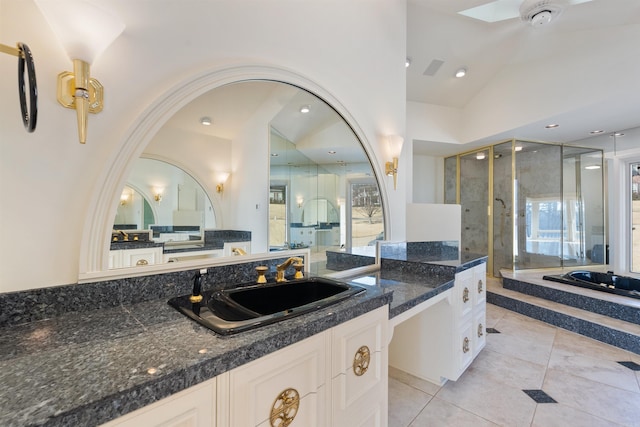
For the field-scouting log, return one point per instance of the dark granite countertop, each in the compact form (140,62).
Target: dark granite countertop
(88,368)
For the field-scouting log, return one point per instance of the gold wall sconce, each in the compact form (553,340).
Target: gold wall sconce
(395,148)
(157,194)
(300,201)
(221,179)
(85,30)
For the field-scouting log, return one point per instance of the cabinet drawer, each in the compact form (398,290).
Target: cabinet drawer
(464,292)
(194,407)
(310,413)
(141,257)
(463,350)
(350,338)
(479,332)
(295,371)
(479,287)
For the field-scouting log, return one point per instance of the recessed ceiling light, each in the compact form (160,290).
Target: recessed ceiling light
(461,72)
(594,132)
(618,134)
(551,126)
(480,156)
(205,121)
(407,62)
(518,148)
(592,167)
(274,154)
(305,109)
(331,152)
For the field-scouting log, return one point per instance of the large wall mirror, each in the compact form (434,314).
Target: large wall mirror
(250,167)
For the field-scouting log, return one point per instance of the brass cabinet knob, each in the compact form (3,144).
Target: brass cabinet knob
(285,408)
(480,286)
(142,262)
(361,361)
(465,345)
(480,330)
(465,295)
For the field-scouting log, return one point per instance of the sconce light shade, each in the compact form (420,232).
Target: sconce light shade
(85,30)
(221,179)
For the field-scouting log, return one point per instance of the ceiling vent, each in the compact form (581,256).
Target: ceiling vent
(433,67)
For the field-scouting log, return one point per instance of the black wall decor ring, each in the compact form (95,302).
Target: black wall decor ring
(29,115)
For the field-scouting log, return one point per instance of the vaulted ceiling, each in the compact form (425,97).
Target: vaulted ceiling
(581,70)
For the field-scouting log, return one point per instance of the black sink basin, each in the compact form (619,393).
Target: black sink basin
(250,306)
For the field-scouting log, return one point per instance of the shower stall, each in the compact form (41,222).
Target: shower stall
(530,204)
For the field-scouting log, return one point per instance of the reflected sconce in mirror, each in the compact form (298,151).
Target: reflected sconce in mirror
(85,30)
(300,201)
(221,178)
(157,194)
(124,199)
(395,148)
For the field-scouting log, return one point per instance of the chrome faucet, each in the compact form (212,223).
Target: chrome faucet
(297,264)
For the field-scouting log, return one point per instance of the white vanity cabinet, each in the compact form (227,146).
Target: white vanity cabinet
(193,407)
(445,337)
(336,378)
(122,258)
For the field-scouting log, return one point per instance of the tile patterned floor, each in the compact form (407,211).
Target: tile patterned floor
(583,376)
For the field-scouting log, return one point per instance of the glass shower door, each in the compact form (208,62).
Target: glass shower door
(539,222)
(474,194)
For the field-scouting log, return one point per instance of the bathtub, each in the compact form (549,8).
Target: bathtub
(606,282)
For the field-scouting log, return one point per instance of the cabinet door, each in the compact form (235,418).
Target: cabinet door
(360,359)
(194,407)
(286,384)
(115,259)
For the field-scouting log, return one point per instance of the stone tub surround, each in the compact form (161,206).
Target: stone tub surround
(87,367)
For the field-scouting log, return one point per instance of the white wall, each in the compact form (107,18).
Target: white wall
(354,50)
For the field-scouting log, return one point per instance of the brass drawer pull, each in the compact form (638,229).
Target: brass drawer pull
(465,345)
(361,361)
(465,295)
(142,262)
(480,330)
(480,286)
(285,408)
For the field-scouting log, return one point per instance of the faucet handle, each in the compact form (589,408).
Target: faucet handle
(261,269)
(298,266)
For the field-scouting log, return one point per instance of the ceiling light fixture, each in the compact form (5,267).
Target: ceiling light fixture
(618,134)
(551,126)
(331,152)
(461,72)
(305,109)
(407,62)
(518,148)
(595,132)
(205,121)
(480,156)
(592,167)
